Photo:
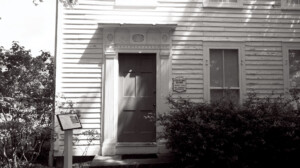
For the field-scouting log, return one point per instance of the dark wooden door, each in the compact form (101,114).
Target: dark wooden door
(137,98)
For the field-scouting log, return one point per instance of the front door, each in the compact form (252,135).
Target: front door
(137,98)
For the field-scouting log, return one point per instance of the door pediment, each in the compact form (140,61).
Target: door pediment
(137,36)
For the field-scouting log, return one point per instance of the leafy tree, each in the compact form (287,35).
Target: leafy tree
(65,2)
(26,105)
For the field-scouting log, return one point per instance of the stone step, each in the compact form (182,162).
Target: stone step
(133,161)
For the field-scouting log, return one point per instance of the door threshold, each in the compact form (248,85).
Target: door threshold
(136,144)
(136,148)
(139,156)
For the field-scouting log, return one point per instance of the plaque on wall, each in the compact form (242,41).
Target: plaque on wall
(179,84)
(68,121)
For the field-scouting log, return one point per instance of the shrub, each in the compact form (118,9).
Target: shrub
(259,133)
(26,106)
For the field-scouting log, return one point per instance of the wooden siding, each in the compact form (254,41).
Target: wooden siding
(79,69)
(261,24)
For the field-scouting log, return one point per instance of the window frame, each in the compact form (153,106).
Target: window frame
(136,3)
(286,64)
(238,4)
(287,6)
(206,66)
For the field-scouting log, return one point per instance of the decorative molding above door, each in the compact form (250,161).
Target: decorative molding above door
(136,37)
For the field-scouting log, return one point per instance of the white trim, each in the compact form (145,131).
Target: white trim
(110,104)
(58,150)
(288,6)
(206,67)
(286,72)
(208,3)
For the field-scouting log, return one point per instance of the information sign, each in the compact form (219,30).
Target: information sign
(68,121)
(179,84)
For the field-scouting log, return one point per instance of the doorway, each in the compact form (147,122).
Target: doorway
(137,97)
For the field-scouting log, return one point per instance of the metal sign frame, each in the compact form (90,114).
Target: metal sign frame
(68,121)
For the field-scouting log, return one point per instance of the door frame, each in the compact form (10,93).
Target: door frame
(112,146)
(136,147)
(122,40)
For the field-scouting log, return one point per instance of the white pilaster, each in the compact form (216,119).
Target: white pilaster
(110,103)
(165,88)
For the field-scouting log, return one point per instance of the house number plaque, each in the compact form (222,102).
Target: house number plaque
(179,84)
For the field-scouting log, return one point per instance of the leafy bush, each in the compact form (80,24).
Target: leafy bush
(259,133)
(26,105)
(26,108)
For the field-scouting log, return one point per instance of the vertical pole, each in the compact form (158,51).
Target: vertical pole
(68,153)
(51,151)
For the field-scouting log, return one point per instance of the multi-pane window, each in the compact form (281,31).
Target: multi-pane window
(294,68)
(223,3)
(290,4)
(224,74)
(291,66)
(293,1)
(223,71)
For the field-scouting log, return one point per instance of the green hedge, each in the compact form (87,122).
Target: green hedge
(260,133)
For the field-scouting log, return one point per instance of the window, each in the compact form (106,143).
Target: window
(290,4)
(293,1)
(223,72)
(136,3)
(291,66)
(294,68)
(223,3)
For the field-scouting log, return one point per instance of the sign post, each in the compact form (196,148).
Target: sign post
(68,153)
(67,123)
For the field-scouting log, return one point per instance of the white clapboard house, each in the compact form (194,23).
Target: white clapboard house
(120,59)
